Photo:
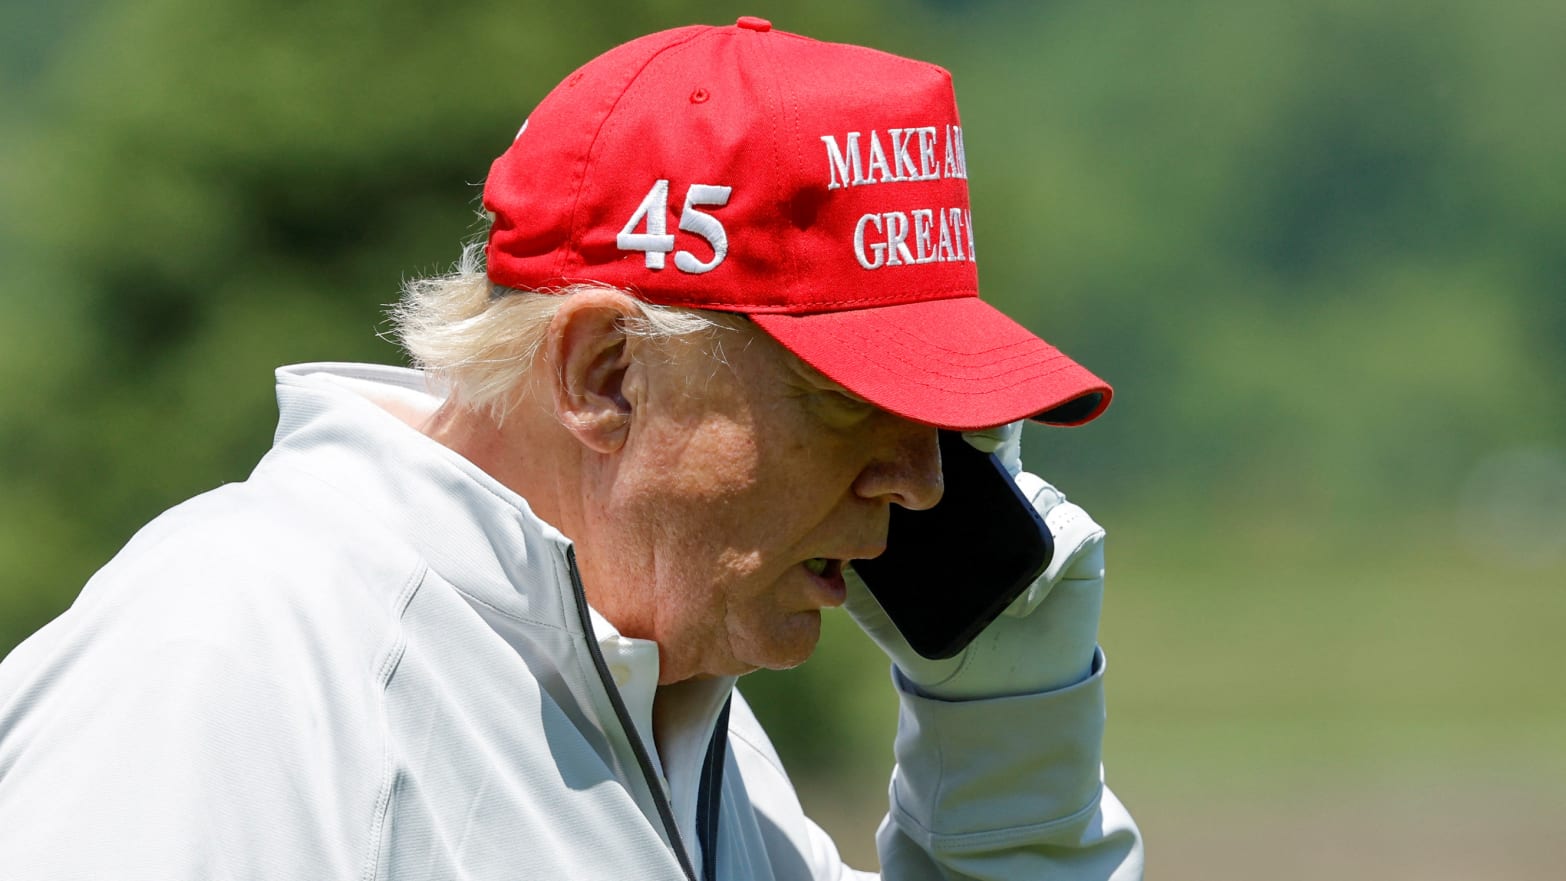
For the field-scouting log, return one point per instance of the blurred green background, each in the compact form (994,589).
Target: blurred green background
(1319,247)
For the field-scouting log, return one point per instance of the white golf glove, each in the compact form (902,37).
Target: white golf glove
(1046,639)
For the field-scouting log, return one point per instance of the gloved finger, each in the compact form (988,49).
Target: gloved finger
(1040,492)
(1079,544)
(1045,498)
(1079,553)
(1005,441)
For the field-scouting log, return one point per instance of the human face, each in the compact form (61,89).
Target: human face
(747,481)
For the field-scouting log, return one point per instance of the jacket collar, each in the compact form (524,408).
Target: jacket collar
(473,531)
(349,425)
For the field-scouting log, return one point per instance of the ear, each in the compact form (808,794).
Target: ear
(589,355)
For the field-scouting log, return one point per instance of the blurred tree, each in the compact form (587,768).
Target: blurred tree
(1311,244)
(1316,246)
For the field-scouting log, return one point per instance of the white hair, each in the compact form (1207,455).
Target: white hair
(481,338)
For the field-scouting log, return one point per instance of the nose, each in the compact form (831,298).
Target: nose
(907,469)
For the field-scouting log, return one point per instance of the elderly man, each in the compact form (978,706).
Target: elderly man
(484,620)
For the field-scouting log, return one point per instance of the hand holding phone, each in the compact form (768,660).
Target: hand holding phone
(976,640)
(948,571)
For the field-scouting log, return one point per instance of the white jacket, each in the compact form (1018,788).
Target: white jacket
(371,661)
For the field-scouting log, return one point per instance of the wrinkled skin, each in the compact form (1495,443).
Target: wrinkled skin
(734,474)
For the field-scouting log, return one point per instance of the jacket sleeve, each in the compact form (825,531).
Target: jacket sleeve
(1006,788)
(995,789)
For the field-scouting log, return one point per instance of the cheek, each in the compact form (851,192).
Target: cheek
(704,462)
(707,578)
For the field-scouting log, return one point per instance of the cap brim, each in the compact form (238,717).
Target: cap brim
(958,363)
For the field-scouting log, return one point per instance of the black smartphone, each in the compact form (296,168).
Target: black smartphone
(948,571)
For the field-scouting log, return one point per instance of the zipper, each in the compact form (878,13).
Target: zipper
(709,799)
(711,779)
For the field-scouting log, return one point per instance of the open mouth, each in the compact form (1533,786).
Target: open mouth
(828,575)
(829,568)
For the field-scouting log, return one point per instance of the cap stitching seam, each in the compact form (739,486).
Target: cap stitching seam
(1065,361)
(813,306)
(589,166)
(895,334)
(765,54)
(1062,363)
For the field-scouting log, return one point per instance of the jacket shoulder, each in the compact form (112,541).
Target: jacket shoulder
(251,570)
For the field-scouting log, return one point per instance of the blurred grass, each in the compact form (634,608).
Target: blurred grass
(1399,654)
(1276,695)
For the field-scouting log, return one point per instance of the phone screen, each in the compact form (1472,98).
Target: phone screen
(948,571)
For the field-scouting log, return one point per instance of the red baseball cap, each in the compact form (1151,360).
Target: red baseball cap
(819,188)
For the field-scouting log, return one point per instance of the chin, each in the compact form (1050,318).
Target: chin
(790,644)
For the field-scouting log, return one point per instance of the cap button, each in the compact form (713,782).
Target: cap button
(752,23)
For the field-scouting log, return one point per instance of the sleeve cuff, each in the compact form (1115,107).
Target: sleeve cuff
(993,769)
